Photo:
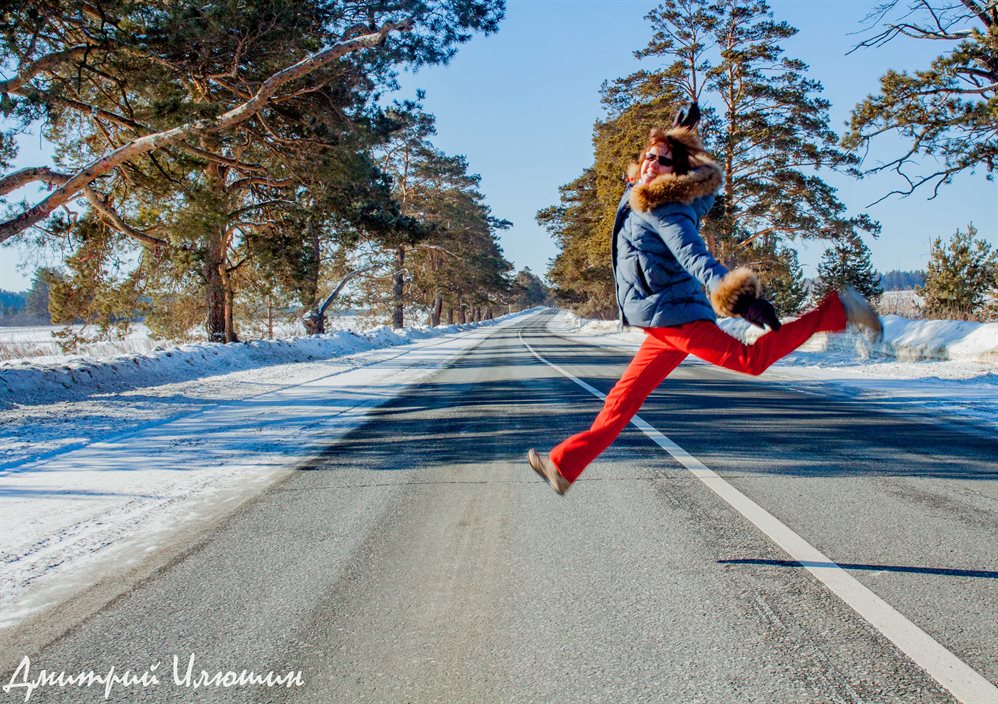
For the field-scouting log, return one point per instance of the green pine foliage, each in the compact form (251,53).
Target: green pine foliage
(961,280)
(785,284)
(268,198)
(847,263)
(946,111)
(529,290)
(765,123)
(901,280)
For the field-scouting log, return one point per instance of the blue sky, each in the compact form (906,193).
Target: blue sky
(521,104)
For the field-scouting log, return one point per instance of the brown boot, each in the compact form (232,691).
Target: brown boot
(545,467)
(859,312)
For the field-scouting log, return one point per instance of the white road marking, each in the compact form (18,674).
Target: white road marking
(960,679)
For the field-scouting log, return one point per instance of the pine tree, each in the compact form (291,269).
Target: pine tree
(529,290)
(764,121)
(37,301)
(581,272)
(947,111)
(962,273)
(785,285)
(188,129)
(769,130)
(847,263)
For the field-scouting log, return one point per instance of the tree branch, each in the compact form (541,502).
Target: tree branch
(123,121)
(977,10)
(934,91)
(250,225)
(253,206)
(23,177)
(114,220)
(260,181)
(42,65)
(230,118)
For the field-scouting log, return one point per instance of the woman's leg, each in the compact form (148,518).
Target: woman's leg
(707,341)
(652,363)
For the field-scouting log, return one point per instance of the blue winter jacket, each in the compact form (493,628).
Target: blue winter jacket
(660,262)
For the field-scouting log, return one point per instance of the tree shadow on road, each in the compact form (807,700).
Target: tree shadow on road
(759,427)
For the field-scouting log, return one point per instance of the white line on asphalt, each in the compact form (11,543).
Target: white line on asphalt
(952,673)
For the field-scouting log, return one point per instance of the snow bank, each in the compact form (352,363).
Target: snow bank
(69,378)
(904,339)
(939,369)
(942,339)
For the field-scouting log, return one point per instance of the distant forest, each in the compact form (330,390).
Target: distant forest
(901,280)
(29,307)
(11,302)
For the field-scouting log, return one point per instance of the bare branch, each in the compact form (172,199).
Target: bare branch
(254,206)
(947,91)
(913,185)
(436,248)
(979,11)
(250,225)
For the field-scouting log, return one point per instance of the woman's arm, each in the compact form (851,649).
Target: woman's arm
(676,224)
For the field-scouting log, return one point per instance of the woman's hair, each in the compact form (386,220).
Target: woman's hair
(684,144)
(680,152)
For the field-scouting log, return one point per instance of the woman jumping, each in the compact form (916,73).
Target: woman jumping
(660,265)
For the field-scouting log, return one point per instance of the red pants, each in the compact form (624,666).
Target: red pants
(663,350)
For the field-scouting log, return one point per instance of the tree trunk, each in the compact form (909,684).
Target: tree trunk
(311,287)
(397,288)
(270,317)
(438,305)
(215,256)
(214,294)
(450,315)
(230,295)
(488,312)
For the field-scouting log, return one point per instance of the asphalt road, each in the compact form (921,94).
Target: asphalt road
(421,560)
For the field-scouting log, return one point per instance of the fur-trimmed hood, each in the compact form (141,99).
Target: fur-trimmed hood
(703,180)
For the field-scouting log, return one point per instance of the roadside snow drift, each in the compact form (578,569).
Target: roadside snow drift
(28,381)
(104,462)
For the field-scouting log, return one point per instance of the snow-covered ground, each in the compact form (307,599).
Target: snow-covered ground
(39,344)
(922,366)
(103,461)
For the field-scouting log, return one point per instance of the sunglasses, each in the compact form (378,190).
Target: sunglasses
(662,160)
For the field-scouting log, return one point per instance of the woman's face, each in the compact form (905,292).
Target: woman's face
(650,165)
